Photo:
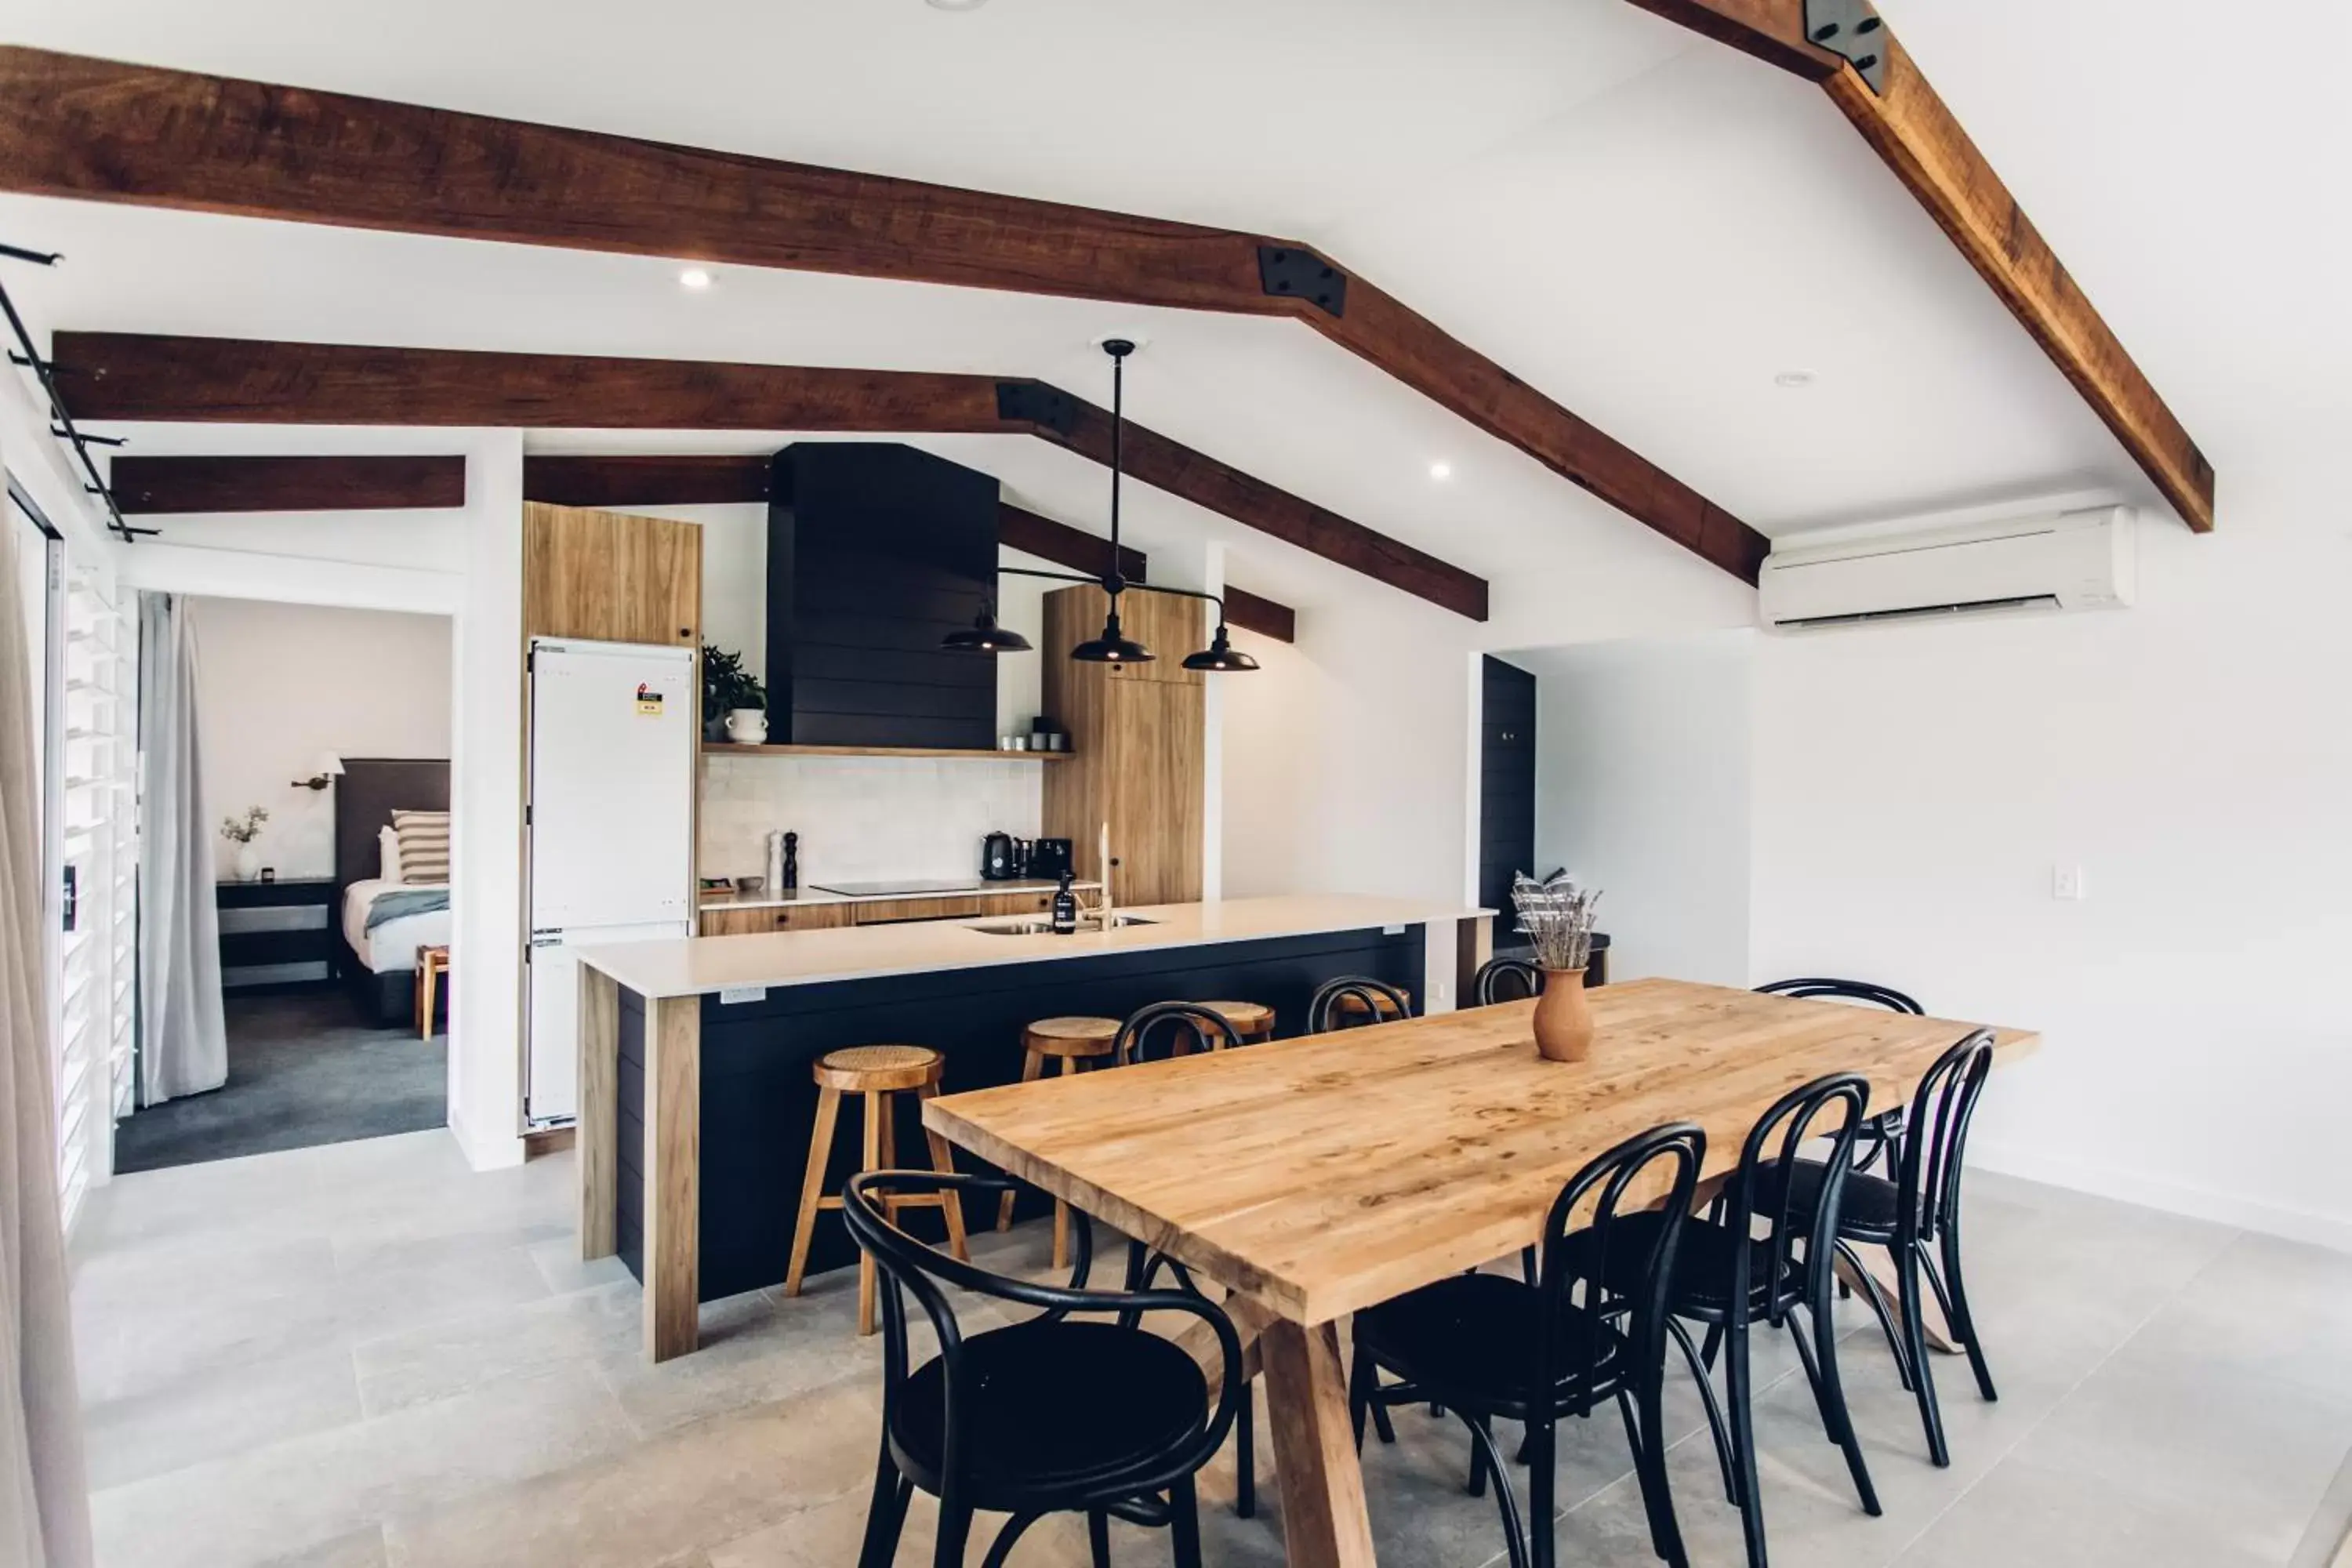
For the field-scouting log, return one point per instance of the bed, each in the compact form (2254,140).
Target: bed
(379,966)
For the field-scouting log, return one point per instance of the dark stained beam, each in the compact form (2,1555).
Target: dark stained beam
(1179,470)
(1911,129)
(219,484)
(1065,546)
(246,381)
(96,130)
(1263,616)
(120,375)
(680,479)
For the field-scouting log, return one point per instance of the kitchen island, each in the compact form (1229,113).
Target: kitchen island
(696,1097)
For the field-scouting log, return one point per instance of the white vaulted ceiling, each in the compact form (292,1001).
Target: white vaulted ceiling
(1644,225)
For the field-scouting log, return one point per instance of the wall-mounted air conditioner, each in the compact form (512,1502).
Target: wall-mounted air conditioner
(2084,559)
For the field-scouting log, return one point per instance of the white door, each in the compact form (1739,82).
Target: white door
(614,731)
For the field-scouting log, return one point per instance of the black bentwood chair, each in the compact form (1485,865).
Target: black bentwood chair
(1052,1414)
(1727,1278)
(1918,1210)
(1354,1000)
(1167,1029)
(1486,1346)
(1881,1136)
(1505,980)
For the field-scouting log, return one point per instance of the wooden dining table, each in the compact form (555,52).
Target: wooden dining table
(1317,1176)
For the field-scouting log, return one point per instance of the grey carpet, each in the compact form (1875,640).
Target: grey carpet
(301,1070)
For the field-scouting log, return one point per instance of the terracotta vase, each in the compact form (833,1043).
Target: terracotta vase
(1563,1017)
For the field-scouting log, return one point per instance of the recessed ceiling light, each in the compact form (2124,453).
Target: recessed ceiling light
(695,278)
(1441,470)
(955,5)
(1795,379)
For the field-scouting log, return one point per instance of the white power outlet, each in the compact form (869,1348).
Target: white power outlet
(2066,882)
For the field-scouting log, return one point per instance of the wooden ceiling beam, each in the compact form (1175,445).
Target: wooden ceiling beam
(1074,548)
(97,129)
(1261,616)
(120,375)
(148,486)
(1911,129)
(687,479)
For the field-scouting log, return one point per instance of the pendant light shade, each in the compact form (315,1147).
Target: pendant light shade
(1221,655)
(984,635)
(1112,648)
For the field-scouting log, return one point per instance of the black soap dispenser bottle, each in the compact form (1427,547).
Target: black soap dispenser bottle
(1066,909)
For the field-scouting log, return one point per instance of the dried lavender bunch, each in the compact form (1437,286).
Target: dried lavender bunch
(1559,915)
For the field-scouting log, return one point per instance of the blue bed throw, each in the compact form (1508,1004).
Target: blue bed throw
(404,902)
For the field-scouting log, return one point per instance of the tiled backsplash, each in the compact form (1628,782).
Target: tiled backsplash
(864,818)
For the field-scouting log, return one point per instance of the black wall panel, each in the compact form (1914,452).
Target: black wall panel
(876,551)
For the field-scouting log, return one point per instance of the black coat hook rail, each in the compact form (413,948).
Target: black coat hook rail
(61,423)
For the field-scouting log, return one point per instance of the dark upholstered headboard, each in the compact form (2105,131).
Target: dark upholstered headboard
(370,790)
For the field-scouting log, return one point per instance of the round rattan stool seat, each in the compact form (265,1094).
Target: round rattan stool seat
(1072,1037)
(871,1069)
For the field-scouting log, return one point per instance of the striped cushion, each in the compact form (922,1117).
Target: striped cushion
(424,844)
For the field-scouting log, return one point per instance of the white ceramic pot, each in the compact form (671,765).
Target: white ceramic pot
(747,726)
(249,863)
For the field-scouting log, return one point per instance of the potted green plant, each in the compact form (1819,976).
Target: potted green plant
(734,703)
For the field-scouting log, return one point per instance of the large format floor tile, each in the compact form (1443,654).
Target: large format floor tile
(367,1356)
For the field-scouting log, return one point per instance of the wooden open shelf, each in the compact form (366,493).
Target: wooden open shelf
(729,749)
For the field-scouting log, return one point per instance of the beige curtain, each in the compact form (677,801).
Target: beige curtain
(44,1503)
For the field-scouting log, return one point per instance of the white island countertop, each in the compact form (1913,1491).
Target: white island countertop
(696,966)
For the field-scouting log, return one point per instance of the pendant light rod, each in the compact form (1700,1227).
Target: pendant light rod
(1119,349)
(1125,586)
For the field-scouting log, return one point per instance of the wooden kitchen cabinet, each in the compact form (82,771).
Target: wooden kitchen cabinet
(1137,743)
(610,576)
(777,917)
(882,911)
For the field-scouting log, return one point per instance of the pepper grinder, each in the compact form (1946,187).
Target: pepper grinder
(792,860)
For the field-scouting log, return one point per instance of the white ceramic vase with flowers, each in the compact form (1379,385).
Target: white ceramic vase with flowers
(242,831)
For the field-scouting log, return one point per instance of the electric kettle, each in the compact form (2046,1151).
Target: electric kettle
(997,858)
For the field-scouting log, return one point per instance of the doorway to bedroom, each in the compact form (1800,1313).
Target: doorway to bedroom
(294,869)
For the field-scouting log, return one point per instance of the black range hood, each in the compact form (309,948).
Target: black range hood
(876,551)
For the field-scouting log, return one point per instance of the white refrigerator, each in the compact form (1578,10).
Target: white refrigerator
(614,737)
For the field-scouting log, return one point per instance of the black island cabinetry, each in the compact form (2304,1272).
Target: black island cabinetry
(757,1100)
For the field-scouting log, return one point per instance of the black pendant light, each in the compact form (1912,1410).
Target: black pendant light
(1113,647)
(984,635)
(1220,657)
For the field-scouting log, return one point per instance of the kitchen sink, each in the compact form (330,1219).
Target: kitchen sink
(1046,928)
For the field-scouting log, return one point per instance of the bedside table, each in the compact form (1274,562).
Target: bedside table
(276,934)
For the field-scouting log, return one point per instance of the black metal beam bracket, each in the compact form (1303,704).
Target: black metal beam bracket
(1850,28)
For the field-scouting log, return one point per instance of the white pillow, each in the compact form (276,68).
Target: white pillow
(387,843)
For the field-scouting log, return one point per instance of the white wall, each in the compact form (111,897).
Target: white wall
(1343,754)
(1642,791)
(281,685)
(486,898)
(465,562)
(1915,785)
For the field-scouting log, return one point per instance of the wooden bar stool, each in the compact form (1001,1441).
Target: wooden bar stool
(878,1072)
(1070,1041)
(1356,999)
(1252,1021)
